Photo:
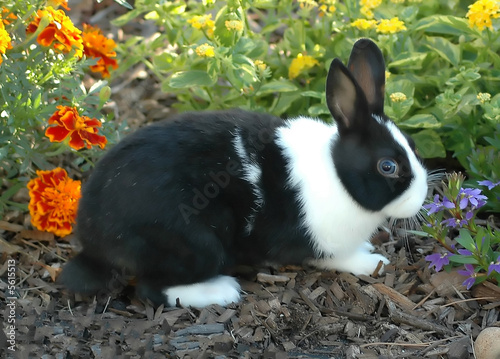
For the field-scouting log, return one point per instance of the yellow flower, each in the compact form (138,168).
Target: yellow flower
(5,41)
(367,6)
(61,34)
(300,64)
(326,7)
(202,22)
(397,1)
(307,4)
(387,75)
(390,26)
(483,97)
(261,66)
(363,24)
(54,201)
(372,4)
(205,50)
(397,97)
(235,25)
(481,12)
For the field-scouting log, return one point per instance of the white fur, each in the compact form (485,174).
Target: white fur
(339,226)
(251,173)
(411,200)
(251,169)
(221,290)
(361,261)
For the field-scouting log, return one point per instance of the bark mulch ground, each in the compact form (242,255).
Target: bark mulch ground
(288,312)
(409,311)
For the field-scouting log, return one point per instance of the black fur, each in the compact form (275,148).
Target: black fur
(183,201)
(169,204)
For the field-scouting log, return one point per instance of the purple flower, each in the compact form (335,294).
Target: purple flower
(437,205)
(434,206)
(472,196)
(447,203)
(454,222)
(470,273)
(464,252)
(494,266)
(489,184)
(438,260)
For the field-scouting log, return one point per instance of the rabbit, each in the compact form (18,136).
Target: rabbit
(181,202)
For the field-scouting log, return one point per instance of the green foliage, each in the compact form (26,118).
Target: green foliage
(476,247)
(34,80)
(439,62)
(270,56)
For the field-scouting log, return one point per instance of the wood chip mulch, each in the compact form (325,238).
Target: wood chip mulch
(289,312)
(409,311)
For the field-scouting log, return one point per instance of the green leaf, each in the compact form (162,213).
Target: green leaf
(97,85)
(405,86)
(284,101)
(444,24)
(463,259)
(429,144)
(244,46)
(125,18)
(184,79)
(37,101)
(444,48)
(466,240)
(420,121)
(294,37)
(277,86)
(418,233)
(8,193)
(482,240)
(318,110)
(163,61)
(122,3)
(408,61)
(3,152)
(315,94)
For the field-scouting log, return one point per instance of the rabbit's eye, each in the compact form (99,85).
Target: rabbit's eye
(388,167)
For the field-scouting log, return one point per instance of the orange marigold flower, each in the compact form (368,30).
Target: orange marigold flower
(60,33)
(96,45)
(5,41)
(81,130)
(57,3)
(54,201)
(7,16)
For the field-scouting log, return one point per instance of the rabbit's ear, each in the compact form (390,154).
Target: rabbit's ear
(367,66)
(345,98)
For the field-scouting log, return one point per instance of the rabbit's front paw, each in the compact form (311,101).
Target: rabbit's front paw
(221,290)
(360,262)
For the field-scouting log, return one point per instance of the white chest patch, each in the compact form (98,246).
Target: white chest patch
(336,223)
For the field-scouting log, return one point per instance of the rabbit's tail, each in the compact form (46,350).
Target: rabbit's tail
(85,275)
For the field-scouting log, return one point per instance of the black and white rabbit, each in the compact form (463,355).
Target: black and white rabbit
(179,203)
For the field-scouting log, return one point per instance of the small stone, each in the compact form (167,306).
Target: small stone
(487,344)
